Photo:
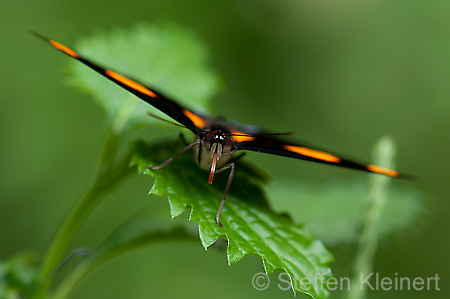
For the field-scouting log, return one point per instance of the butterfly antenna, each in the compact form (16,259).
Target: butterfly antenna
(167,121)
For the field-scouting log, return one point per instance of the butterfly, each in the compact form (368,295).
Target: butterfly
(217,140)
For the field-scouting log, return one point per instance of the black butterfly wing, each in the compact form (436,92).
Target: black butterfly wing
(189,119)
(253,139)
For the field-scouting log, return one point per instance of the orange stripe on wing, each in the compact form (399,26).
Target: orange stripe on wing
(133,84)
(378,169)
(312,153)
(197,120)
(63,48)
(241,137)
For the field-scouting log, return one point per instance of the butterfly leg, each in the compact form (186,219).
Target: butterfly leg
(185,142)
(187,147)
(230,178)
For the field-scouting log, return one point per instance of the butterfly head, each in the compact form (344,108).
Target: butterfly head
(214,151)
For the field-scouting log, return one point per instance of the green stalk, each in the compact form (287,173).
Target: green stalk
(384,153)
(107,176)
(102,257)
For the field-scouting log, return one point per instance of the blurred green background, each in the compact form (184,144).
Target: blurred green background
(340,74)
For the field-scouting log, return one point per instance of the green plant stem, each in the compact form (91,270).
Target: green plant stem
(102,257)
(368,242)
(107,176)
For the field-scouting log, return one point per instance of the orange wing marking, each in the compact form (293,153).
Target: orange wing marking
(63,48)
(197,120)
(131,83)
(378,169)
(241,137)
(312,153)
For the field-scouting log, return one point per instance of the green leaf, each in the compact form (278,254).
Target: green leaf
(17,275)
(334,210)
(164,56)
(249,225)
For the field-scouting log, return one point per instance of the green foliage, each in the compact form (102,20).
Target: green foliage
(334,210)
(249,225)
(17,275)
